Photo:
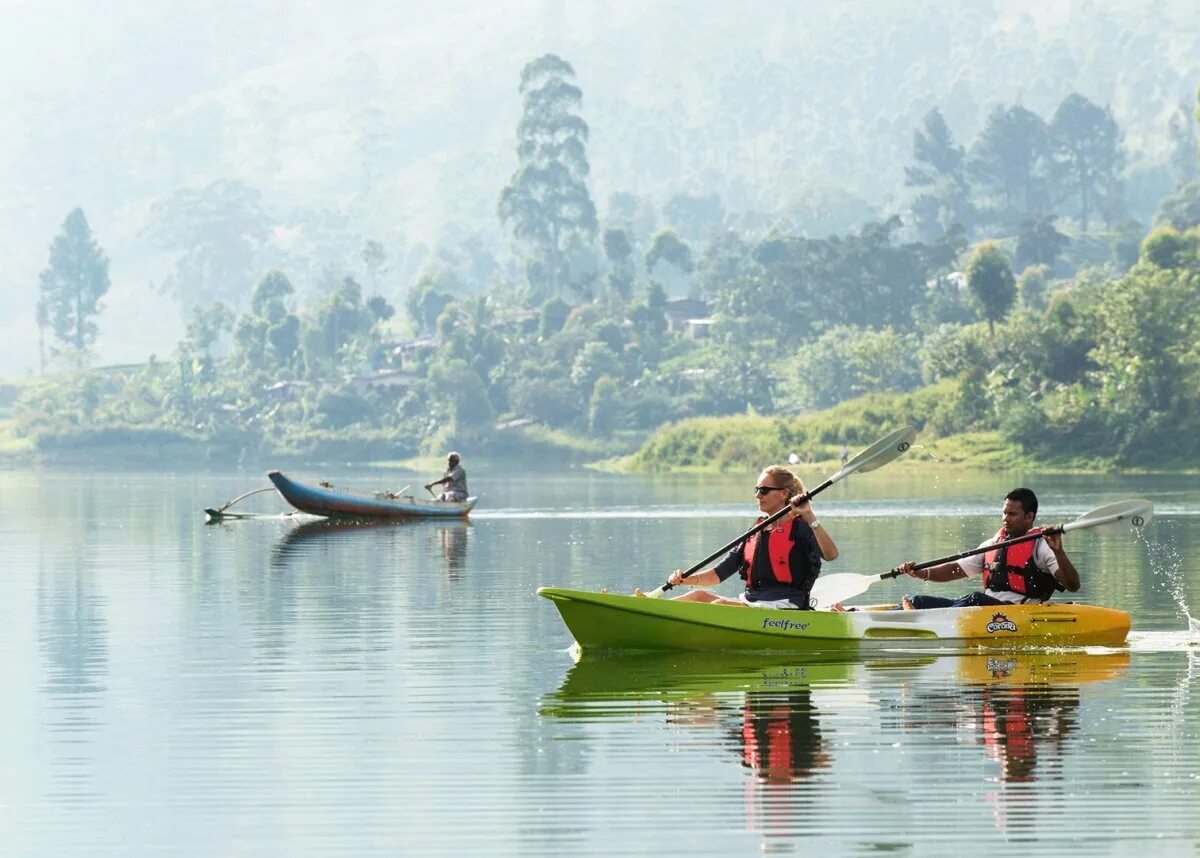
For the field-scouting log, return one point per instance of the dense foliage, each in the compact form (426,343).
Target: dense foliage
(1061,338)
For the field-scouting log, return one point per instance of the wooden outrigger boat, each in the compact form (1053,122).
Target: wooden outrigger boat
(614,621)
(333,502)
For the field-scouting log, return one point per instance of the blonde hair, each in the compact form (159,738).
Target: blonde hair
(781,476)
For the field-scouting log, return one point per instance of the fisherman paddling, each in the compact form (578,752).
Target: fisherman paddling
(455,481)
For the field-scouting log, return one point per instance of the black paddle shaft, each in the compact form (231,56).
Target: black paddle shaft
(929,564)
(762,525)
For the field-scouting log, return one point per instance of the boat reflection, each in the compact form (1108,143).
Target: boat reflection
(609,685)
(452,537)
(1020,709)
(1023,707)
(316,535)
(780,736)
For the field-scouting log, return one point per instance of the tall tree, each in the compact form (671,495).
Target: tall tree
(72,285)
(1012,159)
(619,250)
(668,252)
(1185,157)
(695,217)
(433,291)
(375,258)
(990,280)
(219,231)
(940,173)
(546,203)
(1039,242)
(267,337)
(1088,144)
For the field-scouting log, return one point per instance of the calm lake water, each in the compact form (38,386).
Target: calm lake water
(288,687)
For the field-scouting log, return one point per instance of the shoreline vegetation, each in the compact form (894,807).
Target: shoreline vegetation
(701,445)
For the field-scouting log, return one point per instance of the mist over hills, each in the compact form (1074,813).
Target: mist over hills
(395,122)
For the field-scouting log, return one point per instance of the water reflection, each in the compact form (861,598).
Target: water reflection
(1023,707)
(313,538)
(310,537)
(1022,710)
(73,635)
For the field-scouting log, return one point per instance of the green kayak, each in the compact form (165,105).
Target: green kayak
(612,621)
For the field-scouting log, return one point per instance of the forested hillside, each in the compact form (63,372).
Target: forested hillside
(594,219)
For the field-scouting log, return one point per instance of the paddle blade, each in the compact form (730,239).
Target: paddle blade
(838,588)
(1114,517)
(882,451)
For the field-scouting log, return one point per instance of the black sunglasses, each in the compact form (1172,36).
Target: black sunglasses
(762,490)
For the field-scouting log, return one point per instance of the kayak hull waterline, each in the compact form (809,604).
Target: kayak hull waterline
(613,621)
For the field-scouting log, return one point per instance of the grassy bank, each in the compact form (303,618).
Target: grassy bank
(714,444)
(748,442)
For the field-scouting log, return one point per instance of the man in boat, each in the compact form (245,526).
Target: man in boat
(455,481)
(1026,572)
(779,565)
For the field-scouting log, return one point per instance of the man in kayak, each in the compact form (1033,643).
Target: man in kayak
(1026,572)
(455,481)
(779,565)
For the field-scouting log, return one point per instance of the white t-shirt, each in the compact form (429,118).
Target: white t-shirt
(1042,556)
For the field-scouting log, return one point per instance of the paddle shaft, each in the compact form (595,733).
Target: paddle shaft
(929,564)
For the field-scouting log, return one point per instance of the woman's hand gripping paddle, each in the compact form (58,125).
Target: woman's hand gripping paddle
(878,454)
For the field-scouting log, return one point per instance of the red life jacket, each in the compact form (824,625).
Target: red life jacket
(767,743)
(1009,734)
(779,544)
(1014,569)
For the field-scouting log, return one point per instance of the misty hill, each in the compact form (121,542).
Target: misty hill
(395,122)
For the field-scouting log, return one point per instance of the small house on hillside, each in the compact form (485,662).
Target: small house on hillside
(680,310)
(286,391)
(405,355)
(394,381)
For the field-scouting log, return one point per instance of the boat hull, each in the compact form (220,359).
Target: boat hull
(343,503)
(612,621)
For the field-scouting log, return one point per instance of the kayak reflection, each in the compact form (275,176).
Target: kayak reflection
(1024,709)
(780,736)
(607,685)
(1016,705)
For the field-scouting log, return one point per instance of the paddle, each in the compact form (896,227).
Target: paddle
(847,585)
(878,454)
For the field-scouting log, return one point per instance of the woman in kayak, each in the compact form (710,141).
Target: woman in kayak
(779,565)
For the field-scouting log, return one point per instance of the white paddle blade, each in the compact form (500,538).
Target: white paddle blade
(829,589)
(882,451)
(1114,517)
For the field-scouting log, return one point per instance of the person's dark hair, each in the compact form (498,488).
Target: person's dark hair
(1025,497)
